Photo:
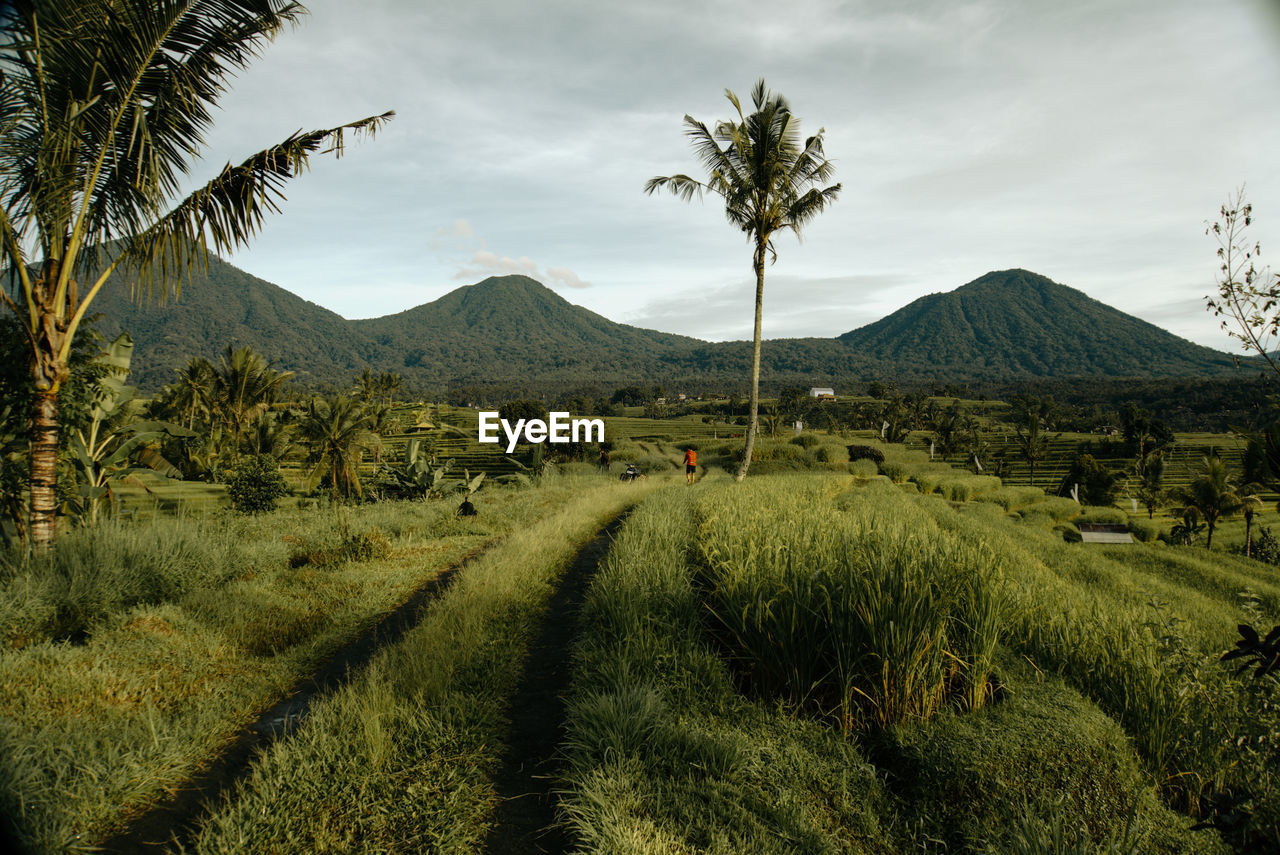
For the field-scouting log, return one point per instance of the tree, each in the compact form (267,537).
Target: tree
(103,108)
(1097,482)
(1029,432)
(768,182)
(243,387)
(336,432)
(1213,494)
(1247,297)
(1150,473)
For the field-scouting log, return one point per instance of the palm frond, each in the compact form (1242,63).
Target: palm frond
(229,210)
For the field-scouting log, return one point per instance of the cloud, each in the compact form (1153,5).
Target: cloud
(484,262)
(566,277)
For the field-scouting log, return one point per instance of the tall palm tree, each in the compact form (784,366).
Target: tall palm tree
(336,432)
(104,105)
(1213,493)
(768,182)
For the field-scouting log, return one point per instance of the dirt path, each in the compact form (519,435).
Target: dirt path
(525,816)
(179,816)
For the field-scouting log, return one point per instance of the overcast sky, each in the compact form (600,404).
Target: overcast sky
(1086,141)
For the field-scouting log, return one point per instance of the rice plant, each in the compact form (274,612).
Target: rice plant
(870,613)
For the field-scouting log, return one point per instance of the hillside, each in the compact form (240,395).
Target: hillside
(508,327)
(513,335)
(224,305)
(1014,322)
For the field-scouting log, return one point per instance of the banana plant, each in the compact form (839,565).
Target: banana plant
(418,475)
(113,447)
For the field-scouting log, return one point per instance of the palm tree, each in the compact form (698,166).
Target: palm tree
(244,386)
(193,392)
(1213,494)
(104,105)
(1150,472)
(389,382)
(336,430)
(1032,440)
(768,182)
(1250,504)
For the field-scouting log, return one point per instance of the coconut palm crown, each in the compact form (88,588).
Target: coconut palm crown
(104,105)
(768,180)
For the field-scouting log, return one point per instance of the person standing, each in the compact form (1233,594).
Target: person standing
(690,465)
(604,461)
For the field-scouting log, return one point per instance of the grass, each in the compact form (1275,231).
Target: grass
(401,759)
(98,726)
(668,753)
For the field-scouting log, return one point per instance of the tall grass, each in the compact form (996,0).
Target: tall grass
(866,611)
(1139,631)
(666,754)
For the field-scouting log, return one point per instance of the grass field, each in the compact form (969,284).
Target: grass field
(832,657)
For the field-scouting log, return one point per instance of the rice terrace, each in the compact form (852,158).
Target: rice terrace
(878,543)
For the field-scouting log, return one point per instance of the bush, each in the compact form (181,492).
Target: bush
(805,440)
(896,472)
(864,468)
(256,484)
(1043,751)
(1111,516)
(1098,484)
(865,452)
(1146,531)
(1013,498)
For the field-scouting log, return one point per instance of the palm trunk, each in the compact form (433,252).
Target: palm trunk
(753,422)
(44,469)
(48,333)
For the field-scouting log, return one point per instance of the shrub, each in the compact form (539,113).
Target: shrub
(805,440)
(863,468)
(1146,531)
(865,452)
(1013,498)
(255,485)
(1097,483)
(896,472)
(962,488)
(1112,516)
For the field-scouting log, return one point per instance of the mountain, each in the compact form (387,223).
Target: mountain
(1014,322)
(224,305)
(512,326)
(515,336)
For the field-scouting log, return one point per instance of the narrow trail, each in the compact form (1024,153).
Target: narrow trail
(524,820)
(179,816)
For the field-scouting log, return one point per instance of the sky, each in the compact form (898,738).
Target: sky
(1087,141)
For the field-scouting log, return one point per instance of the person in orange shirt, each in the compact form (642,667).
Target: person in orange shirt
(690,464)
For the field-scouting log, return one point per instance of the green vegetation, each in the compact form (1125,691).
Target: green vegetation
(769,182)
(133,651)
(1013,322)
(420,732)
(671,749)
(106,105)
